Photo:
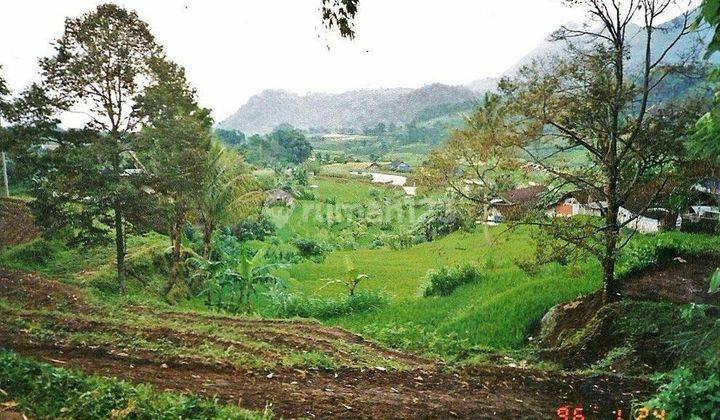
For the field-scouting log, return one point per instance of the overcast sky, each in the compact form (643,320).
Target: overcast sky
(234,49)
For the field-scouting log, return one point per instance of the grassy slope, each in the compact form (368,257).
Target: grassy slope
(94,268)
(496,311)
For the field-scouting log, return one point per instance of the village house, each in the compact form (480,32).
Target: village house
(400,166)
(703,213)
(279,197)
(511,204)
(577,202)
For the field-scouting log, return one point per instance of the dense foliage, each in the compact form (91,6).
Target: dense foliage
(254,228)
(283,146)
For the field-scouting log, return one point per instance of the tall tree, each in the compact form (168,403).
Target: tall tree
(174,145)
(589,102)
(102,63)
(293,146)
(5,111)
(227,194)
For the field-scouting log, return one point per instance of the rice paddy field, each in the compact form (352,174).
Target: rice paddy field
(497,311)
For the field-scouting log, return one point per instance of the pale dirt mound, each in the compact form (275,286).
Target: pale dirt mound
(357,388)
(17,224)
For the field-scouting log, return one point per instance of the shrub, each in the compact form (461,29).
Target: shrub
(688,395)
(401,240)
(444,281)
(311,248)
(303,193)
(386,226)
(438,221)
(377,242)
(254,228)
(285,304)
(49,392)
(281,252)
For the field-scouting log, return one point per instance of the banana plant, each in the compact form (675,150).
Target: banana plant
(232,282)
(352,278)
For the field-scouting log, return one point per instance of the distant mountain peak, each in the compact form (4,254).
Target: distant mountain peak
(353,109)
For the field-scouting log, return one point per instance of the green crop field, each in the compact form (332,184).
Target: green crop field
(496,311)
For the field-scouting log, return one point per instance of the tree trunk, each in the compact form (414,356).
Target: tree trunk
(175,241)
(486,231)
(207,238)
(611,289)
(120,246)
(5,174)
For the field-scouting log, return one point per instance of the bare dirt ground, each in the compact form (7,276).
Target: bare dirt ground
(679,280)
(244,361)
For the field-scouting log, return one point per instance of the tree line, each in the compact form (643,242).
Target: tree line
(144,156)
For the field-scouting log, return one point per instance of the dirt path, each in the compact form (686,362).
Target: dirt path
(211,355)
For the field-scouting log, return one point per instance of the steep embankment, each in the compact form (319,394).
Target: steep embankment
(666,317)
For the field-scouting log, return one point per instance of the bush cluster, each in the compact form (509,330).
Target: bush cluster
(311,248)
(444,281)
(254,228)
(285,304)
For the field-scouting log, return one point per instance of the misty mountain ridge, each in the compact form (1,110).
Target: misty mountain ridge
(353,110)
(366,108)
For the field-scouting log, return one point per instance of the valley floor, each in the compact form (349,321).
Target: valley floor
(298,368)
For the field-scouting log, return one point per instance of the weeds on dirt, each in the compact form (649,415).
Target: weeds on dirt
(45,391)
(688,394)
(311,359)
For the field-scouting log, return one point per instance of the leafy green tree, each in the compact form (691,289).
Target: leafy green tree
(351,280)
(704,143)
(710,13)
(476,162)
(101,64)
(591,104)
(175,144)
(294,147)
(233,280)
(233,138)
